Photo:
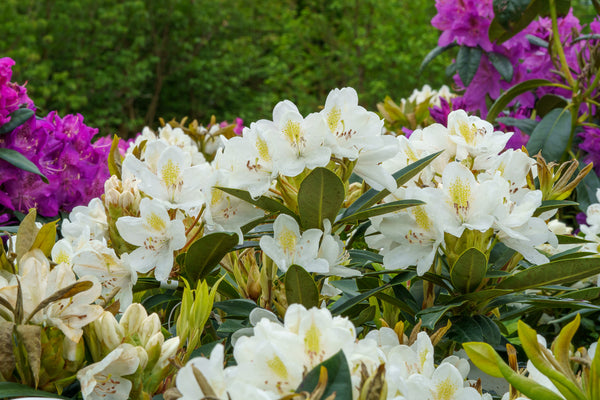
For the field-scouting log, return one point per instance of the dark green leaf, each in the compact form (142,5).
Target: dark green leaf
(338,378)
(551,136)
(20,161)
(264,202)
(366,315)
(398,303)
(379,209)
(556,272)
(206,253)
(566,239)
(549,102)
(236,307)
(548,205)
(508,96)
(433,54)
(502,65)
(469,270)
(320,196)
(10,390)
(586,37)
(373,196)
(432,315)
(467,63)
(586,190)
(524,124)
(17,118)
(477,328)
(300,287)
(589,294)
(340,307)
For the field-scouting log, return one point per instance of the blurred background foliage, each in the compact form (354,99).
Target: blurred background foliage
(124,63)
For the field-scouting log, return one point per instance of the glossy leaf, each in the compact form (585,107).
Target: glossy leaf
(300,287)
(236,307)
(549,102)
(548,205)
(551,135)
(402,176)
(469,270)
(508,96)
(433,54)
(588,294)
(12,389)
(467,63)
(338,378)
(17,118)
(432,315)
(263,202)
(320,196)
(206,253)
(379,209)
(20,161)
(477,328)
(502,64)
(556,272)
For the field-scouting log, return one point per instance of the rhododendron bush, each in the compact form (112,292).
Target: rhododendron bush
(343,254)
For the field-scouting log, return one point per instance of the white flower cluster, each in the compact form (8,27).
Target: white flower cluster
(430,95)
(471,186)
(272,363)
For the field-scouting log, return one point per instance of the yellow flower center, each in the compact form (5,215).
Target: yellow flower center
(155,222)
(460,193)
(287,240)
(170,173)
(263,149)
(293,133)
(333,118)
(421,218)
(445,390)
(312,340)
(278,368)
(62,257)
(468,132)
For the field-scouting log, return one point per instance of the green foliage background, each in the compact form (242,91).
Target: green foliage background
(124,63)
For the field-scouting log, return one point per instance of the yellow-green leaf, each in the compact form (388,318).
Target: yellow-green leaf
(114,158)
(46,238)
(562,346)
(26,234)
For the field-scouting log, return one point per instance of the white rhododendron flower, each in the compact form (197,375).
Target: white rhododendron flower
(288,246)
(295,143)
(173,180)
(105,379)
(88,221)
(157,235)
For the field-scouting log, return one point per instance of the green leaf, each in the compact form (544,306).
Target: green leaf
(549,102)
(529,341)
(586,190)
(114,158)
(432,315)
(537,41)
(373,196)
(467,63)
(206,253)
(320,196)
(548,205)
(379,209)
(26,234)
(338,378)
(433,54)
(567,239)
(46,238)
(583,294)
(562,345)
(477,328)
(20,161)
(11,390)
(236,307)
(551,135)
(594,380)
(524,124)
(506,97)
(469,270)
(487,360)
(300,287)
(263,202)
(502,64)
(17,118)
(563,271)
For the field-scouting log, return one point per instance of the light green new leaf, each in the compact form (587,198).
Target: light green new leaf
(320,196)
(562,346)
(534,351)
(26,234)
(486,359)
(46,238)
(114,158)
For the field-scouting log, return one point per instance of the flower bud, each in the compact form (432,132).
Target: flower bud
(153,347)
(109,332)
(132,318)
(149,328)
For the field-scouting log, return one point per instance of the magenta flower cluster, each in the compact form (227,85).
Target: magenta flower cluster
(466,23)
(61,148)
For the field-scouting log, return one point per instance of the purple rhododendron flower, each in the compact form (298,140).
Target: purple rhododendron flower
(61,148)
(464,22)
(591,146)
